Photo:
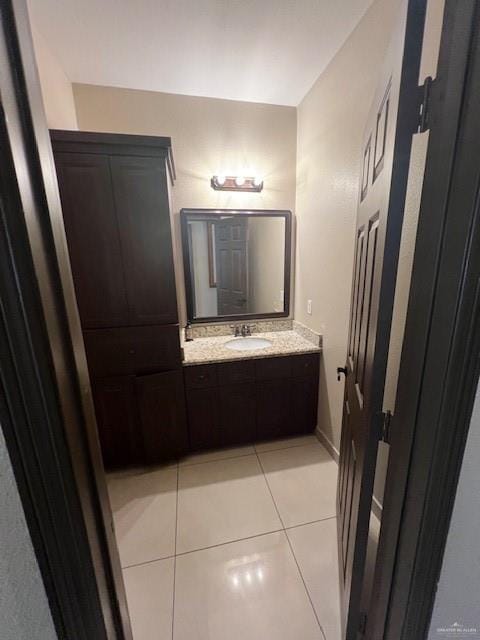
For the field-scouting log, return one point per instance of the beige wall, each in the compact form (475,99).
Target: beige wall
(56,88)
(331,121)
(209,136)
(266,257)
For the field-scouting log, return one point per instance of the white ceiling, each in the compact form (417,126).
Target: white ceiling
(255,50)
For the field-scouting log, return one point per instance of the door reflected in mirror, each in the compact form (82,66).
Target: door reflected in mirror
(237,263)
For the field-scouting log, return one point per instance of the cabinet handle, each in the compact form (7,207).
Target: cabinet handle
(132,352)
(202,377)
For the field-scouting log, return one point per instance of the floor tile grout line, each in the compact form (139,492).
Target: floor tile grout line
(270,491)
(195,464)
(291,550)
(305,524)
(292,446)
(175,553)
(305,586)
(252,453)
(222,544)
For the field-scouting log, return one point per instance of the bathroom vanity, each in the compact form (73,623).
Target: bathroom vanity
(247,400)
(155,401)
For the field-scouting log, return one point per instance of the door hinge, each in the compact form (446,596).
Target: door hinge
(424,109)
(386,424)
(362,623)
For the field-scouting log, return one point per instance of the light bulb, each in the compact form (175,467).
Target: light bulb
(220,180)
(239,181)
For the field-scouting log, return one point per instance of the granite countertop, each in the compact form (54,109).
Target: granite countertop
(213,349)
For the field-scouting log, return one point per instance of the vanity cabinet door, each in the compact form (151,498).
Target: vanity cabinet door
(237,414)
(204,418)
(117,420)
(161,406)
(304,404)
(274,415)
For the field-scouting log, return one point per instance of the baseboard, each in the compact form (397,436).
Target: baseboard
(329,446)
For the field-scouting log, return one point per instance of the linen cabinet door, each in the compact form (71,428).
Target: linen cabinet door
(141,202)
(117,421)
(237,414)
(161,406)
(93,238)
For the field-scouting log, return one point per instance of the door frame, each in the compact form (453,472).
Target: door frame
(46,408)
(63,546)
(440,361)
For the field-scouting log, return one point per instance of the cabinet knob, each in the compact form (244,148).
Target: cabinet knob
(202,377)
(132,352)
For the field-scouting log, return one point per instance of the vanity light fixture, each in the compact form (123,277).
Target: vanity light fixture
(236,183)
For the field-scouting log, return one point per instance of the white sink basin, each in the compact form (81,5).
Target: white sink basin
(248,344)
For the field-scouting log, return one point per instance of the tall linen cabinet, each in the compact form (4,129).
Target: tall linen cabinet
(115,199)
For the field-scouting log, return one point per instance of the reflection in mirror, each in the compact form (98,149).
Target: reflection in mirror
(236,263)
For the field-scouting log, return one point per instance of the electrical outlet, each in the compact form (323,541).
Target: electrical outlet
(309,307)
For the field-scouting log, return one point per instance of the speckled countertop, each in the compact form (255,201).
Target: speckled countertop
(213,349)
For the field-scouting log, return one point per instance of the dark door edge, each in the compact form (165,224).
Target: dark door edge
(44,397)
(441,353)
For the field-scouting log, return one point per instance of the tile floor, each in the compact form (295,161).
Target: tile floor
(236,544)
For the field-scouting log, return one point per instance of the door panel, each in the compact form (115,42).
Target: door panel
(89,214)
(231,259)
(144,222)
(385,161)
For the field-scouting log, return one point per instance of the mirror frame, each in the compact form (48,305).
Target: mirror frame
(186,214)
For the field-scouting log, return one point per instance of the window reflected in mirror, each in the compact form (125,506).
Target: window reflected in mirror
(236,263)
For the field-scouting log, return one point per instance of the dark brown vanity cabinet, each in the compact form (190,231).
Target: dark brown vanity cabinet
(114,191)
(240,402)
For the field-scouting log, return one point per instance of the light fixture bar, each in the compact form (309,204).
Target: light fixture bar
(236,183)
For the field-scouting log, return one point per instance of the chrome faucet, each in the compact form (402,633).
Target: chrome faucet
(243,330)
(246,330)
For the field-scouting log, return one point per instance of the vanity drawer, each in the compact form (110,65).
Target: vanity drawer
(132,350)
(235,372)
(273,368)
(305,365)
(201,376)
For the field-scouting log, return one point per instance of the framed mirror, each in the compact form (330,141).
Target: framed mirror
(237,263)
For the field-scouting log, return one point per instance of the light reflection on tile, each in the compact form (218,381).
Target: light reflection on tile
(248,589)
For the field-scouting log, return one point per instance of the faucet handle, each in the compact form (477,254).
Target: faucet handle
(236,329)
